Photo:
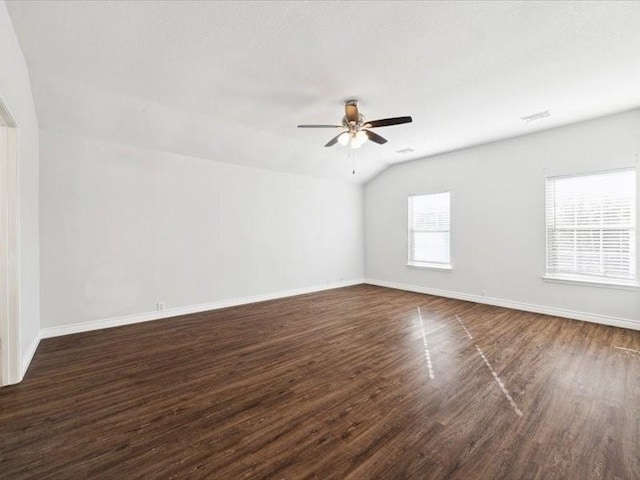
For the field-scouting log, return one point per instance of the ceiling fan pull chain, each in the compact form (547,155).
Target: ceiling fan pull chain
(353,162)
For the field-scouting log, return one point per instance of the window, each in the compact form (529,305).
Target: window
(429,230)
(591,227)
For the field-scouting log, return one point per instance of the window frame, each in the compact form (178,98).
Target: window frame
(585,279)
(429,265)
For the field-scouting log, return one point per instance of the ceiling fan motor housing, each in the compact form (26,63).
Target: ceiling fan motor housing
(359,123)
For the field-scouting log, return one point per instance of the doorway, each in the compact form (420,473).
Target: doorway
(10,367)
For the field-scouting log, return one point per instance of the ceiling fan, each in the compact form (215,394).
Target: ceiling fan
(355,127)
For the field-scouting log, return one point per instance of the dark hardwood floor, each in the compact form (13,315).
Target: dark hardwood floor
(332,385)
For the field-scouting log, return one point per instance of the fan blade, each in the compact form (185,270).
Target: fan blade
(319,126)
(374,137)
(351,112)
(334,140)
(386,122)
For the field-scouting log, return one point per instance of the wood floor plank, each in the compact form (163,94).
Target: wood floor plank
(331,385)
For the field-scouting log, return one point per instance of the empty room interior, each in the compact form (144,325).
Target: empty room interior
(319,240)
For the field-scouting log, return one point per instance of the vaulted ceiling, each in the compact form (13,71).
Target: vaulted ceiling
(230,81)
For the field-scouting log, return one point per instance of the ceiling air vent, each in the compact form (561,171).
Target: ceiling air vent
(405,150)
(536,116)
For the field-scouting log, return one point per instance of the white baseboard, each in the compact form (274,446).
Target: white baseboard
(527,307)
(174,312)
(28,356)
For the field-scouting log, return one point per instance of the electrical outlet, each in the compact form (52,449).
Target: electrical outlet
(483,293)
(160,306)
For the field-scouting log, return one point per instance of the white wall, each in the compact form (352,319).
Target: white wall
(15,92)
(123,228)
(498,223)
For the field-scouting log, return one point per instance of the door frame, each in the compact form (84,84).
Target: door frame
(10,362)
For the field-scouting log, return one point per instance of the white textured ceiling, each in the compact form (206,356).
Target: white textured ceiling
(231,80)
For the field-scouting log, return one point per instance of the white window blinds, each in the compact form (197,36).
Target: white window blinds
(429,230)
(591,227)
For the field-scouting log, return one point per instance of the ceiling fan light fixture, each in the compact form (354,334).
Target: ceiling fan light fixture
(361,136)
(358,139)
(344,139)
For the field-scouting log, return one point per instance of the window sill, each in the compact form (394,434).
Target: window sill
(592,282)
(430,266)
